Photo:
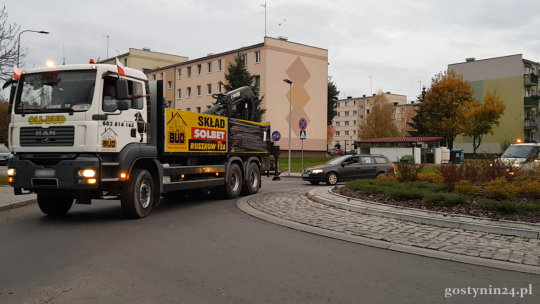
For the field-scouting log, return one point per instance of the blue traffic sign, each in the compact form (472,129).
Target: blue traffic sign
(302,134)
(276,136)
(302,124)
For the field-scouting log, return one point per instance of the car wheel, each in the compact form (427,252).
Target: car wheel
(314,183)
(332,178)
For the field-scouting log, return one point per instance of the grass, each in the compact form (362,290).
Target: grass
(3,181)
(296,163)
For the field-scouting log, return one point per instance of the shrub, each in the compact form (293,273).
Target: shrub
(408,172)
(500,189)
(492,169)
(404,194)
(387,177)
(510,206)
(453,173)
(431,177)
(367,186)
(464,187)
(431,187)
(530,189)
(445,199)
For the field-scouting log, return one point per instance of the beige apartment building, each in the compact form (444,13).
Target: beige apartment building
(352,112)
(145,59)
(189,86)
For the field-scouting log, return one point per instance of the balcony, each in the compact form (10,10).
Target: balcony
(529,102)
(530,124)
(530,80)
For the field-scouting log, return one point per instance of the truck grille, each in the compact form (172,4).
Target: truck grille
(53,136)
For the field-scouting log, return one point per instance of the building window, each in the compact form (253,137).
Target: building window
(258,57)
(361,116)
(198,90)
(361,107)
(219,65)
(244,58)
(337,123)
(338,114)
(346,104)
(198,109)
(257,80)
(188,92)
(125,62)
(179,73)
(354,122)
(346,113)
(209,66)
(220,85)
(346,132)
(367,112)
(354,113)
(188,109)
(353,132)
(337,133)
(346,123)
(189,72)
(354,103)
(169,85)
(179,94)
(394,110)
(199,69)
(153,77)
(209,89)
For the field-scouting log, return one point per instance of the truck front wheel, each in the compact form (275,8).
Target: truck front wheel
(54,205)
(138,194)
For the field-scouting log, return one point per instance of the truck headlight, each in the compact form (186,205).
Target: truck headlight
(317,171)
(11,172)
(87,173)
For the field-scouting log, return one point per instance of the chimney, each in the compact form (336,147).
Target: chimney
(471,59)
(349,97)
(388,93)
(364,95)
(282,38)
(146,49)
(374,94)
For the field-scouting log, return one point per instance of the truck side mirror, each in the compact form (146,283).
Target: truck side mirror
(122,91)
(123,105)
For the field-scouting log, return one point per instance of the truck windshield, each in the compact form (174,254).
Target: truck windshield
(518,151)
(58,91)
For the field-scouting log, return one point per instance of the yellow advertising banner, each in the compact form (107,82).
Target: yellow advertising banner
(194,132)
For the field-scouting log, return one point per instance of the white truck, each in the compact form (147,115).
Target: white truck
(73,144)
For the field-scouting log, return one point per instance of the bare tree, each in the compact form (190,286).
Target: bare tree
(8,46)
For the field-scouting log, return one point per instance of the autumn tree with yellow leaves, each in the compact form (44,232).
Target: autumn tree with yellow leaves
(480,118)
(379,122)
(330,130)
(445,104)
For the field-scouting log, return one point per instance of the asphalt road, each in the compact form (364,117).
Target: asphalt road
(205,251)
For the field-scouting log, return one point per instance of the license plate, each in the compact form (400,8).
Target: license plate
(305,175)
(44,173)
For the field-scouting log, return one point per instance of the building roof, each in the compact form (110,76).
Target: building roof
(400,139)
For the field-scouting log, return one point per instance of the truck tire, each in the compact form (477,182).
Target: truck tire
(232,188)
(253,180)
(54,205)
(138,194)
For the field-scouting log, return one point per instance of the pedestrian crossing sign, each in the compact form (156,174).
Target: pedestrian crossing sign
(302,134)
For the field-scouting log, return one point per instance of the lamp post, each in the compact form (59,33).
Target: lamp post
(19,42)
(290,109)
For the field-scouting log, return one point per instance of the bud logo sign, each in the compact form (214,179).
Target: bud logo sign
(195,132)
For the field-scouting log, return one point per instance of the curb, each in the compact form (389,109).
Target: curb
(18,204)
(243,205)
(423,217)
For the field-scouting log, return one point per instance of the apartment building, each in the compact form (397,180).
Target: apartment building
(352,112)
(515,80)
(189,86)
(145,59)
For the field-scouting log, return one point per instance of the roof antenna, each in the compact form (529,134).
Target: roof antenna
(64,51)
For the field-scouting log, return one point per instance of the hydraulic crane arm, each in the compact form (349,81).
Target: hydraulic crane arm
(239,103)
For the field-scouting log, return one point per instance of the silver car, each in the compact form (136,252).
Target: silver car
(349,167)
(5,155)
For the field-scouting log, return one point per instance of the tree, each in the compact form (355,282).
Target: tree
(4,121)
(333,94)
(379,123)
(329,133)
(8,46)
(481,117)
(444,106)
(238,76)
(417,124)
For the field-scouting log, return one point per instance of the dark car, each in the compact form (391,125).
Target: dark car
(348,167)
(5,155)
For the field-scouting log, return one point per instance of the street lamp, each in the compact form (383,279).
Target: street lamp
(290,109)
(19,42)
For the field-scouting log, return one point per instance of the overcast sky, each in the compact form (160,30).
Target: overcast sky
(397,43)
